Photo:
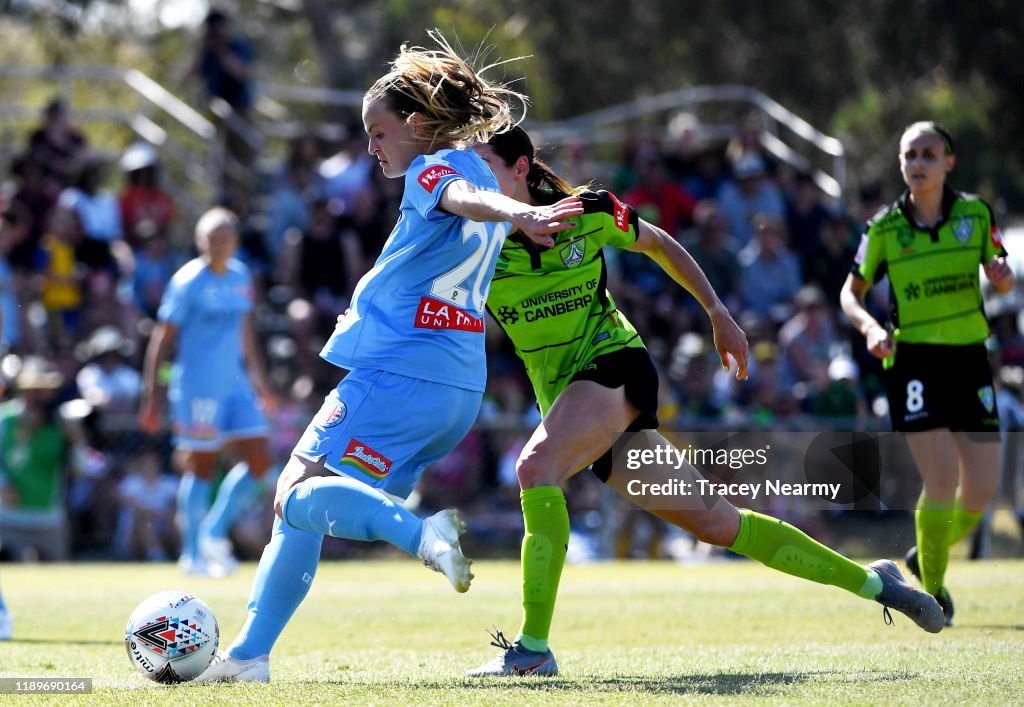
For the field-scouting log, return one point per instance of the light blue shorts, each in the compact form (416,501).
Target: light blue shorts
(204,422)
(384,429)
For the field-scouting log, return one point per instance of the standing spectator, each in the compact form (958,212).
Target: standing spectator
(58,147)
(749,193)
(224,62)
(770,273)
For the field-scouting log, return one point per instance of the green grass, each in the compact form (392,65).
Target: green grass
(391,632)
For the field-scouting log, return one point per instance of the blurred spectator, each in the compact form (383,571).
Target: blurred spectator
(658,199)
(224,62)
(770,274)
(10,311)
(713,250)
(322,266)
(841,397)
(348,174)
(58,147)
(146,210)
(708,174)
(806,216)
(808,343)
(145,526)
(154,265)
(827,263)
(107,381)
(60,278)
(295,188)
(749,193)
(33,466)
(30,207)
(99,214)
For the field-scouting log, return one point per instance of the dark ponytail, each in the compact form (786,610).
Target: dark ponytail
(545,186)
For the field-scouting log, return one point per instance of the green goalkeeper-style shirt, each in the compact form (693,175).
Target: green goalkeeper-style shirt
(935,294)
(553,303)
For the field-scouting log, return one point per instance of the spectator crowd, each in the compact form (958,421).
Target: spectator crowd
(88,242)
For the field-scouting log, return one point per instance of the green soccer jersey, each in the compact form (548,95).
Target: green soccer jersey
(554,305)
(935,295)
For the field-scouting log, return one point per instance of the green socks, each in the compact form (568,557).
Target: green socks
(964,521)
(544,546)
(934,523)
(785,548)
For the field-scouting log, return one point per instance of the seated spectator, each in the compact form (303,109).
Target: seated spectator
(749,193)
(657,198)
(715,252)
(107,381)
(59,277)
(147,211)
(292,194)
(30,206)
(828,262)
(33,466)
(99,214)
(348,174)
(154,265)
(806,216)
(145,525)
(708,175)
(808,343)
(769,272)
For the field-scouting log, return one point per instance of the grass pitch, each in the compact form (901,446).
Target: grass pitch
(391,632)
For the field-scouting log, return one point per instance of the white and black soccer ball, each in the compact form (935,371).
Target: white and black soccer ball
(171,637)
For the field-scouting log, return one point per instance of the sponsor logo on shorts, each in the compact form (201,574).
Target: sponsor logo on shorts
(363,458)
(435,314)
(332,414)
(431,176)
(987,397)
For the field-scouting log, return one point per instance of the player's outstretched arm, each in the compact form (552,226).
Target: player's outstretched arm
(537,222)
(681,267)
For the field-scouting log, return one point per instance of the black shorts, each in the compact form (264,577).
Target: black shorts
(931,386)
(634,369)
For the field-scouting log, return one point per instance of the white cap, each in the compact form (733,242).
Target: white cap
(138,156)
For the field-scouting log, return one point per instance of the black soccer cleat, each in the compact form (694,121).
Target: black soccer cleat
(919,606)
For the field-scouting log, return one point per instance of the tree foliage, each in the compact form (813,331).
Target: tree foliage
(858,70)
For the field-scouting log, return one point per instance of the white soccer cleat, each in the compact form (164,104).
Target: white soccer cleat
(224,668)
(216,553)
(6,625)
(440,550)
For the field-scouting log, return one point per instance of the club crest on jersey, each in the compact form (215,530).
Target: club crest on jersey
(332,414)
(964,229)
(987,397)
(572,254)
(364,459)
(432,175)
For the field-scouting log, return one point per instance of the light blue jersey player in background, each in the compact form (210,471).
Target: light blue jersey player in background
(207,312)
(413,342)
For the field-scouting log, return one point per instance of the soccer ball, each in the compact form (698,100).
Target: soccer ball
(171,637)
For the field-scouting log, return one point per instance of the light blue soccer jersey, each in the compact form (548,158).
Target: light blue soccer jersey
(208,310)
(419,312)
